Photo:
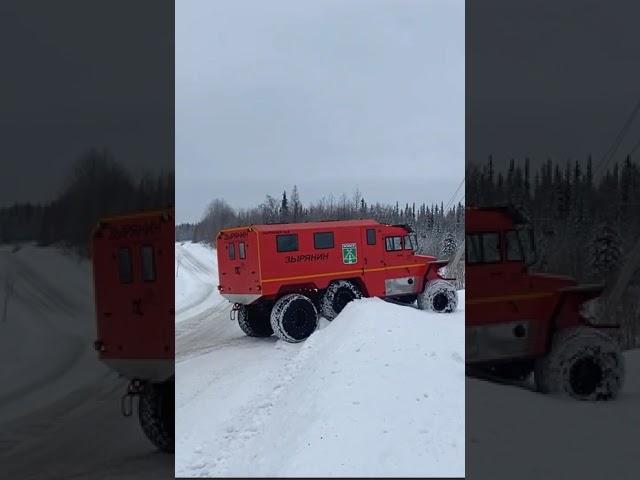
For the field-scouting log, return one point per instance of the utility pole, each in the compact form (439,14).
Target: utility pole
(8,291)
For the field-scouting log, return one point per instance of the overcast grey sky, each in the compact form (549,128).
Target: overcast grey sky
(77,75)
(551,79)
(328,95)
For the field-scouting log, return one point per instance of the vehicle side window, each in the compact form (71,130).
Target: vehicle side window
(483,248)
(287,243)
(473,249)
(148,263)
(371,236)
(124,265)
(241,251)
(408,243)
(323,240)
(491,247)
(513,247)
(232,251)
(393,244)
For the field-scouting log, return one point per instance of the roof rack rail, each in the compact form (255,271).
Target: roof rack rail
(406,226)
(519,214)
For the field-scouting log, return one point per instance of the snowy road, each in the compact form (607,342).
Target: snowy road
(513,432)
(379,391)
(59,406)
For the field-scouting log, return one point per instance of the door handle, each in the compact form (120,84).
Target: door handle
(137,306)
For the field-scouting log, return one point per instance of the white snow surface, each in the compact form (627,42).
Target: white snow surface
(195,264)
(377,392)
(59,405)
(514,432)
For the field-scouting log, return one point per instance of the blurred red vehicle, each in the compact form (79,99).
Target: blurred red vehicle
(519,322)
(133,272)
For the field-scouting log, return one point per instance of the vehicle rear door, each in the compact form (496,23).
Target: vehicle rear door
(133,305)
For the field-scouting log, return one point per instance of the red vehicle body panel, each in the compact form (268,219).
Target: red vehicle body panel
(134,284)
(264,272)
(512,313)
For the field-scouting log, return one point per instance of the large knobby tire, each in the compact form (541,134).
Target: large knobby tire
(294,317)
(438,296)
(254,320)
(337,296)
(156,414)
(584,363)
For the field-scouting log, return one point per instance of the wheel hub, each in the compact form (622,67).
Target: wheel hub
(300,320)
(440,302)
(585,375)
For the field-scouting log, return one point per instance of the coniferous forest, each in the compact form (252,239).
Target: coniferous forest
(96,186)
(586,219)
(439,228)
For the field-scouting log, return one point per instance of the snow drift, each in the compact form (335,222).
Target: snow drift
(514,432)
(377,392)
(45,328)
(196,267)
(59,405)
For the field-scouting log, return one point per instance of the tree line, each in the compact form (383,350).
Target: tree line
(96,186)
(586,219)
(439,228)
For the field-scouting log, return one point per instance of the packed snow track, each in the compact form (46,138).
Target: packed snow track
(556,437)
(377,392)
(59,406)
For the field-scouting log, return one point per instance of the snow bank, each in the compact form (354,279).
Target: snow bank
(48,329)
(513,432)
(59,405)
(377,392)
(196,269)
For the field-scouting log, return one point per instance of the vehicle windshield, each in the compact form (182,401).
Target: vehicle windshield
(410,242)
(526,238)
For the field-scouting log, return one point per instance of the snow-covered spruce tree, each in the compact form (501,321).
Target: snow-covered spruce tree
(449,245)
(296,205)
(284,208)
(605,251)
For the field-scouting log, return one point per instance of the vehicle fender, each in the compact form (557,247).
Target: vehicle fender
(567,312)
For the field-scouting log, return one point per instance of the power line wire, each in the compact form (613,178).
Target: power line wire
(454,195)
(618,140)
(635,147)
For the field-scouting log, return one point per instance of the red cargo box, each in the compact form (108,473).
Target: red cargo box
(281,277)
(267,260)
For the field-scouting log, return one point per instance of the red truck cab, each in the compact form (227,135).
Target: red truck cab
(519,321)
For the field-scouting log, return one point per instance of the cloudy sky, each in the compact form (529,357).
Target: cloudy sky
(551,79)
(330,96)
(77,75)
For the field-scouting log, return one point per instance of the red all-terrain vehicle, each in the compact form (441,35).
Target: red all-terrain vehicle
(133,272)
(281,277)
(519,322)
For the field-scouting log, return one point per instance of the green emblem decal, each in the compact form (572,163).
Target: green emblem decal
(349,253)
